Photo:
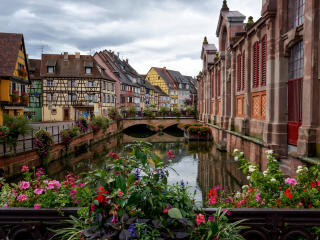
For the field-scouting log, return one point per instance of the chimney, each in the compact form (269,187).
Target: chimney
(65,56)
(225,7)
(77,55)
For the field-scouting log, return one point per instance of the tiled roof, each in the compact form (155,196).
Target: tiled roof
(158,89)
(34,68)
(166,77)
(9,50)
(72,67)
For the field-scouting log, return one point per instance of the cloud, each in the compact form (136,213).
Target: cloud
(148,32)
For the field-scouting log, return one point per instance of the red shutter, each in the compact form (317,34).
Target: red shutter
(219,83)
(243,69)
(239,73)
(264,62)
(212,84)
(255,65)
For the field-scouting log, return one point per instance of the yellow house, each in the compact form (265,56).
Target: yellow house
(14,75)
(161,78)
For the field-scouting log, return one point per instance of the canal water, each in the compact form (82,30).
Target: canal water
(197,164)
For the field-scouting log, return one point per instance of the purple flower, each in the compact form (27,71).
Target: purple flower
(291,181)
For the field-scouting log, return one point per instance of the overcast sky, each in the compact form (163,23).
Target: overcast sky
(148,32)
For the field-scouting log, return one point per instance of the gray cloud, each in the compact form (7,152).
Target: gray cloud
(148,32)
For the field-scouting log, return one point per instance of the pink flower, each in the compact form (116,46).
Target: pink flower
(73,192)
(226,210)
(258,197)
(211,218)
(14,192)
(37,206)
(24,185)
(25,168)
(52,184)
(40,172)
(291,181)
(212,200)
(22,198)
(166,209)
(199,219)
(5,206)
(170,154)
(38,191)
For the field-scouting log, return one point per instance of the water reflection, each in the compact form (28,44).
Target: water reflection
(198,164)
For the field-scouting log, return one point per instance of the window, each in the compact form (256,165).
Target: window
(13,87)
(122,99)
(23,88)
(54,111)
(112,87)
(50,83)
(112,98)
(255,65)
(264,62)
(88,70)
(49,97)
(295,13)
(50,69)
(296,61)
(239,68)
(20,66)
(90,83)
(108,98)
(104,85)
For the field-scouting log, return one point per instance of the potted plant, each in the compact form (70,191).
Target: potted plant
(43,142)
(22,72)
(24,98)
(15,96)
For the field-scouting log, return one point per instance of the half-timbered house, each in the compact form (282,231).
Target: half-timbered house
(74,86)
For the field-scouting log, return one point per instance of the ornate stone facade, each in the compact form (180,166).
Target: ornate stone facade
(263,82)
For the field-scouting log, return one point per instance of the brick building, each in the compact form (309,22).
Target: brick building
(263,80)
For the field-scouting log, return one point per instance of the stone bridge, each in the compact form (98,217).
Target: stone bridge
(158,122)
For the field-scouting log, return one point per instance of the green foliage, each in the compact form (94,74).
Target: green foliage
(132,111)
(98,123)
(83,124)
(43,142)
(67,135)
(148,113)
(114,114)
(176,112)
(17,126)
(164,111)
(218,227)
(191,111)
(4,132)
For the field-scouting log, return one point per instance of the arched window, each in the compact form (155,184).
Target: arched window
(243,69)
(295,13)
(212,84)
(219,83)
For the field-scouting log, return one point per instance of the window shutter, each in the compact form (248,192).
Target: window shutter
(239,73)
(212,84)
(255,65)
(264,62)
(243,69)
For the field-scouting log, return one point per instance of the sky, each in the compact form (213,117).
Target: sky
(150,33)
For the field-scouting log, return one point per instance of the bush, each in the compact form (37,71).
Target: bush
(191,111)
(83,124)
(114,114)
(132,111)
(43,142)
(67,135)
(98,123)
(176,112)
(148,113)
(164,111)
(17,126)
(4,132)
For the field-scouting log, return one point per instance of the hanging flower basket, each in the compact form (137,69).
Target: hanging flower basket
(24,98)
(15,96)
(22,72)
(43,142)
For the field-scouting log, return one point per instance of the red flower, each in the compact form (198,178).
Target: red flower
(100,198)
(166,209)
(113,155)
(92,207)
(170,154)
(313,184)
(288,193)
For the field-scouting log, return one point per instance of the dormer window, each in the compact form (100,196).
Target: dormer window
(50,69)
(88,70)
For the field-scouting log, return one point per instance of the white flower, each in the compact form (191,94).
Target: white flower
(241,153)
(252,168)
(235,150)
(265,173)
(248,177)
(275,160)
(273,180)
(300,167)
(245,187)
(269,152)
(238,194)
(236,158)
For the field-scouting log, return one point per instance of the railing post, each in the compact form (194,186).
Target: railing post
(32,138)
(24,144)
(58,134)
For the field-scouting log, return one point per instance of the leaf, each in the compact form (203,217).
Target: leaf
(181,235)
(175,213)
(124,235)
(96,202)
